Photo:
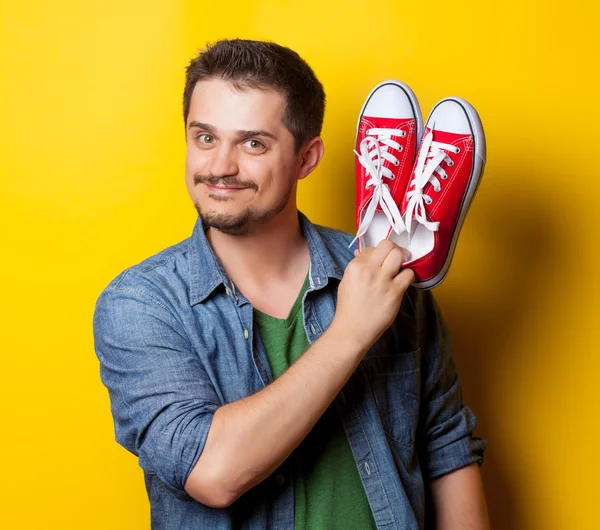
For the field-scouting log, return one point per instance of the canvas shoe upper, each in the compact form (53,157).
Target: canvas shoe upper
(446,175)
(388,131)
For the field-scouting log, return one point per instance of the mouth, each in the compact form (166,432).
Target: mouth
(225,189)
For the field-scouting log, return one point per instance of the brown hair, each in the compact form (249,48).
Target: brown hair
(260,64)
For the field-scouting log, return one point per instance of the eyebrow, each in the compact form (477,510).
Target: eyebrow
(241,134)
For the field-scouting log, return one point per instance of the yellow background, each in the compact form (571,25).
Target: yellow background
(91,158)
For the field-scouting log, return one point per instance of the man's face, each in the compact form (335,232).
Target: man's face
(240,166)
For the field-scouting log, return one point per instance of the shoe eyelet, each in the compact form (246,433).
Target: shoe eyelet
(457,150)
(396,163)
(445,177)
(438,190)
(428,200)
(451,163)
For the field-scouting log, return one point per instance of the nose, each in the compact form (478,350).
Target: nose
(224,161)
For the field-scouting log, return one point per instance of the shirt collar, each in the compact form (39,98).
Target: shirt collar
(207,272)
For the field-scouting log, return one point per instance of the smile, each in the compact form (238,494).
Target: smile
(223,189)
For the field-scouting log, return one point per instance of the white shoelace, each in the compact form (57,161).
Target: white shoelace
(372,161)
(431,155)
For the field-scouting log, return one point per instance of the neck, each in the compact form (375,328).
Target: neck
(273,252)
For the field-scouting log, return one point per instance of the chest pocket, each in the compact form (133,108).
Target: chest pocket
(395,382)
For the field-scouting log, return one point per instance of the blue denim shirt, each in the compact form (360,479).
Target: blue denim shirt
(175,341)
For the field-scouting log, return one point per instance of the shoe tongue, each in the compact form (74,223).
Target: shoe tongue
(369,122)
(372,122)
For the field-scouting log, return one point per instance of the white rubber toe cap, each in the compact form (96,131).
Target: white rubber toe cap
(390,99)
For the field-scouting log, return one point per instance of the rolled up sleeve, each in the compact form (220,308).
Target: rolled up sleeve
(161,398)
(446,424)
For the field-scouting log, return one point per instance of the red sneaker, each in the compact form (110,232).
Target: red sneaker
(387,134)
(446,175)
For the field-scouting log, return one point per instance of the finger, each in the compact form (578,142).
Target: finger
(384,247)
(393,262)
(404,278)
(366,252)
(381,251)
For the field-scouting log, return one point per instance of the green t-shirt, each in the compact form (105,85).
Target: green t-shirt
(328,493)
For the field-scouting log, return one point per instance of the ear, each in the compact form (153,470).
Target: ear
(309,157)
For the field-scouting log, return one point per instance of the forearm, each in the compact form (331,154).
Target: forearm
(459,501)
(250,438)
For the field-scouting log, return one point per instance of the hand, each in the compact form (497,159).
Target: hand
(371,291)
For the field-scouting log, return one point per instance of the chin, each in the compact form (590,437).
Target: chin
(235,216)
(229,221)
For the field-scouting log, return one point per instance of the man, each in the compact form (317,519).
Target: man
(265,374)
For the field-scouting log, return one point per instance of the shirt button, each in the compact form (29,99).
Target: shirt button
(312,329)
(367,468)
(280,479)
(246,334)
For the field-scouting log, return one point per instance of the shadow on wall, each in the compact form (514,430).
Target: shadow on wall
(521,245)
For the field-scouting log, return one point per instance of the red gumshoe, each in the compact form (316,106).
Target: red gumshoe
(447,172)
(388,132)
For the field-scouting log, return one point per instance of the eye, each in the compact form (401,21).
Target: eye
(205,138)
(255,145)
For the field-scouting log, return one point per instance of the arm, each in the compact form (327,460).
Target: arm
(166,411)
(447,448)
(162,400)
(458,500)
(248,439)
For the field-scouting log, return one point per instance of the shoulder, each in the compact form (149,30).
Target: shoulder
(164,272)
(338,244)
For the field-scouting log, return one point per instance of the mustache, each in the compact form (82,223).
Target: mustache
(228,182)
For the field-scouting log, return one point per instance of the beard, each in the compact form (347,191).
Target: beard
(244,222)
